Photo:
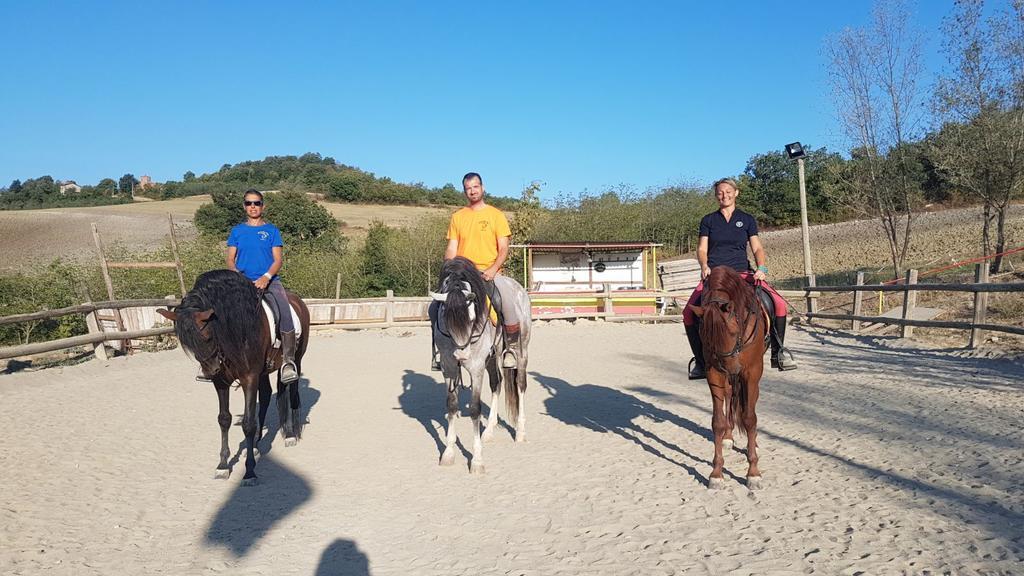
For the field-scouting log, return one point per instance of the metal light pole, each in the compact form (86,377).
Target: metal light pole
(796,152)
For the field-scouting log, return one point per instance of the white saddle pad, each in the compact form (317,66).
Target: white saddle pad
(273,325)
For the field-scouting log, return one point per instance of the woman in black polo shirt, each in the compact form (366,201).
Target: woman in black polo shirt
(724,236)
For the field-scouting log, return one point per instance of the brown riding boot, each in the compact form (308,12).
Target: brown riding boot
(289,373)
(512,347)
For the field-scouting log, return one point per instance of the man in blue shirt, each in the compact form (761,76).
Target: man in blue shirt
(254,249)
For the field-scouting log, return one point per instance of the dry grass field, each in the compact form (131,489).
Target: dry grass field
(38,236)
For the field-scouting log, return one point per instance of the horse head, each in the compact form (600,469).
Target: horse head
(195,332)
(462,296)
(725,311)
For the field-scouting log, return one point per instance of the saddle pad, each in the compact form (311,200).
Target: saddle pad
(273,325)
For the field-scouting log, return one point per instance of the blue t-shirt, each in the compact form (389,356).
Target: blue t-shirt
(727,240)
(255,246)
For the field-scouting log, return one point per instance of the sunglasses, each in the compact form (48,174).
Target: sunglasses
(253,202)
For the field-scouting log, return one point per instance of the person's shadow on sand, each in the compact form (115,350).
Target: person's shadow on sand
(607,410)
(343,558)
(251,511)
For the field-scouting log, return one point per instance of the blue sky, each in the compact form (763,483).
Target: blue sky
(582,96)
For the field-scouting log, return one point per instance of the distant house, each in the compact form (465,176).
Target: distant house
(145,182)
(69,186)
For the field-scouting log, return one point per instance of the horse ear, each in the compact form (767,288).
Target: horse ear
(203,317)
(698,310)
(170,315)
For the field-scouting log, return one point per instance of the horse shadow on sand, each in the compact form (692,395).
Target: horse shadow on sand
(343,558)
(308,397)
(252,511)
(425,400)
(607,410)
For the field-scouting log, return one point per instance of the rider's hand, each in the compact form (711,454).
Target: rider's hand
(705,272)
(489,274)
(760,276)
(262,282)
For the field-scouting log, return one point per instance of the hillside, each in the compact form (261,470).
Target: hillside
(38,236)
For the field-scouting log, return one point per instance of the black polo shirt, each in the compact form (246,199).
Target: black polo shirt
(727,241)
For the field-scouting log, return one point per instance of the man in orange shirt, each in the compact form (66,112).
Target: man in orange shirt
(480,233)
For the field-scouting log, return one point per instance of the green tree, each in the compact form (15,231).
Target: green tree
(126,184)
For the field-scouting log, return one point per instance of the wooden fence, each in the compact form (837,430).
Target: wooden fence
(981,288)
(325,313)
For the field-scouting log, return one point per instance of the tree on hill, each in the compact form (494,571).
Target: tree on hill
(300,219)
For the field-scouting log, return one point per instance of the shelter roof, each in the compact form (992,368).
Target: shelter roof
(592,246)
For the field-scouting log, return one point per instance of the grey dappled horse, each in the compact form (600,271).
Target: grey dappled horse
(467,339)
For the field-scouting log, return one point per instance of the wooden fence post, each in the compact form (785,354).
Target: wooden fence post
(93,323)
(609,306)
(812,301)
(858,300)
(909,302)
(980,305)
(337,296)
(174,251)
(389,308)
(118,319)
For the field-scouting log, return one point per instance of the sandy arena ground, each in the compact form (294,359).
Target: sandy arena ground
(879,457)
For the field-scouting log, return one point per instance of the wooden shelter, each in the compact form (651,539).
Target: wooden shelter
(600,278)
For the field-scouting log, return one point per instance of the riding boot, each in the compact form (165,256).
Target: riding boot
(696,369)
(512,347)
(289,373)
(782,358)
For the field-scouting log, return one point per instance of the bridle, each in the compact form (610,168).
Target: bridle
(474,336)
(741,343)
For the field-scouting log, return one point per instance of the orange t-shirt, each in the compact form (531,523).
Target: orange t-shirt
(477,232)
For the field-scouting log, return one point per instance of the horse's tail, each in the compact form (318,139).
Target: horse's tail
(737,403)
(511,378)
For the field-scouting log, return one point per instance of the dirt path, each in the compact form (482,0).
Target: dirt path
(879,458)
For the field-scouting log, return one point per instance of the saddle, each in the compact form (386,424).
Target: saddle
(273,312)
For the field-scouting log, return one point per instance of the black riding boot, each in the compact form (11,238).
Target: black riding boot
(782,358)
(435,358)
(696,369)
(289,373)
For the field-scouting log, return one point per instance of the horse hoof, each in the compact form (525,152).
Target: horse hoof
(447,458)
(716,483)
(727,445)
(250,481)
(475,468)
(289,442)
(755,482)
(520,437)
(222,474)
(488,435)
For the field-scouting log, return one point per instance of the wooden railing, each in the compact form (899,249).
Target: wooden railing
(981,288)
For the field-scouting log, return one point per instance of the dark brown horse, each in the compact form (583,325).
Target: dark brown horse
(733,329)
(221,323)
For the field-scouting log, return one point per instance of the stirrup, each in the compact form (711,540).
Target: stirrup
(435,363)
(287,378)
(784,361)
(694,371)
(509,360)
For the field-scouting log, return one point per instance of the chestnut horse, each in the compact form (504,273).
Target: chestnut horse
(733,331)
(221,323)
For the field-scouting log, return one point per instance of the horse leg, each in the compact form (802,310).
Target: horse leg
(476,465)
(448,456)
(720,426)
(520,378)
(492,417)
(249,385)
(750,425)
(283,411)
(296,405)
(224,419)
(265,393)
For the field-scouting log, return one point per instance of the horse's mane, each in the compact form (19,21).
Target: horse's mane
(723,279)
(456,314)
(235,324)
